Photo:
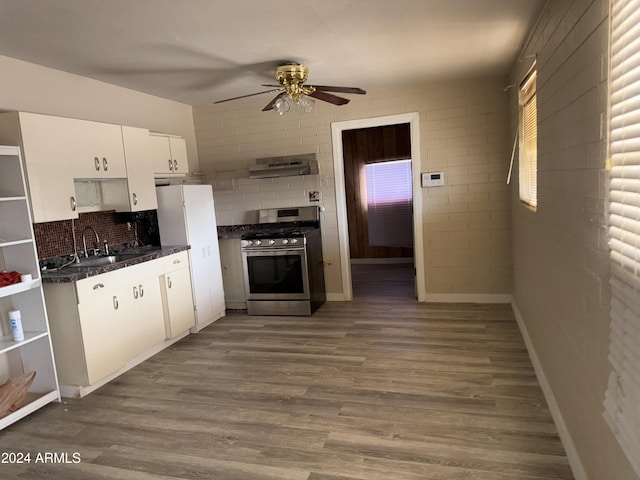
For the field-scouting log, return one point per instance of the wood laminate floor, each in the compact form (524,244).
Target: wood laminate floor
(381,388)
(384,279)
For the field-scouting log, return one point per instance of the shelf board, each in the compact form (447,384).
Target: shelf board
(9,243)
(19,287)
(32,402)
(9,150)
(7,343)
(12,198)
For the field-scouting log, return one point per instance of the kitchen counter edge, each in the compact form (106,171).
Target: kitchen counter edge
(73,275)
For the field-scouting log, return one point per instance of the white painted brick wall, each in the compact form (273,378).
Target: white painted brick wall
(561,267)
(464,130)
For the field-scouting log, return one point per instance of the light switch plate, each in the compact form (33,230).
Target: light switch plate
(432,179)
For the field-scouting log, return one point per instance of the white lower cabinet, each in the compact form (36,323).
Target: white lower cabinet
(177,296)
(103,325)
(140,316)
(101,338)
(235,296)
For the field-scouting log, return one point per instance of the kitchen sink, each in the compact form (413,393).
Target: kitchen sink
(102,261)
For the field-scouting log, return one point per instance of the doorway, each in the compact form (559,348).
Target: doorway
(337,129)
(379,194)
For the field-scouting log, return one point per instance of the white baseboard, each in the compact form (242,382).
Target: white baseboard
(444,298)
(468,298)
(200,325)
(79,391)
(336,297)
(575,462)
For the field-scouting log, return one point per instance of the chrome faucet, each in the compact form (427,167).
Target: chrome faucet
(84,241)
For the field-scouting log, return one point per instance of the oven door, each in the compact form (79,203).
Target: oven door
(274,274)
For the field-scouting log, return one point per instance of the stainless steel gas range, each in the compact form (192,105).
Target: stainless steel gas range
(283,264)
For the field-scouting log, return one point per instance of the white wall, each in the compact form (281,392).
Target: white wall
(33,88)
(464,131)
(561,267)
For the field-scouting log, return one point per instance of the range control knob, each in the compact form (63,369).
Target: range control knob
(271,242)
(294,240)
(257,242)
(285,241)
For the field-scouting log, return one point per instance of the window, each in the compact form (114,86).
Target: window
(623,391)
(528,161)
(390,204)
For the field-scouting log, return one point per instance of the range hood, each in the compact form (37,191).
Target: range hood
(287,166)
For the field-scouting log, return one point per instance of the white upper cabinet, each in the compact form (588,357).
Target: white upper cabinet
(97,150)
(138,192)
(142,185)
(59,150)
(47,151)
(169,155)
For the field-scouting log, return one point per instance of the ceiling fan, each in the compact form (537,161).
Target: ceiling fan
(291,77)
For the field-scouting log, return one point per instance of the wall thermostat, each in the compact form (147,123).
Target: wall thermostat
(432,179)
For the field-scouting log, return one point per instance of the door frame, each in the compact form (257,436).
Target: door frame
(337,128)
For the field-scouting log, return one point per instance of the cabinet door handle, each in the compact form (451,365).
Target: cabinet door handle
(175,165)
(209,250)
(72,202)
(135,199)
(105,164)
(141,288)
(96,161)
(115,303)
(98,286)
(135,292)
(176,261)
(169,284)
(170,165)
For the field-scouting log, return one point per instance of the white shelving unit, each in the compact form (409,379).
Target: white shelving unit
(18,253)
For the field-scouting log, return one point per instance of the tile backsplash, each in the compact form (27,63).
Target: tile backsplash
(55,238)
(239,198)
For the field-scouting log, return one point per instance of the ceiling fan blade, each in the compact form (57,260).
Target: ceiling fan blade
(327,97)
(249,95)
(272,102)
(329,88)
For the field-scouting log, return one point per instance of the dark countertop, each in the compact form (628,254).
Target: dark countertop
(226,232)
(66,274)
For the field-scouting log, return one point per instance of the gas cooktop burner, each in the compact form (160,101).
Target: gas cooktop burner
(281,232)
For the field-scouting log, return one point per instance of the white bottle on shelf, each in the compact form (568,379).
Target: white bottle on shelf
(16,325)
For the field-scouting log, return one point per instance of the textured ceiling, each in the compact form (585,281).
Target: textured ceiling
(198,51)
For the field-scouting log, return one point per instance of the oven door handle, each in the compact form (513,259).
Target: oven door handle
(284,248)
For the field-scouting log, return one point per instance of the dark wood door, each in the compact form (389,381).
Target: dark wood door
(360,147)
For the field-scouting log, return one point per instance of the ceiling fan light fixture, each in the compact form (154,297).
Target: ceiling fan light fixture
(305,104)
(282,105)
(291,89)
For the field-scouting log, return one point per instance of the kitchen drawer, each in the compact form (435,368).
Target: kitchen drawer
(175,261)
(107,283)
(90,288)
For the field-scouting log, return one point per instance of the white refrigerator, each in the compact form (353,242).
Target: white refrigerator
(186,215)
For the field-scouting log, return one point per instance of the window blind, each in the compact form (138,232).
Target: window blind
(528,158)
(390,203)
(622,398)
